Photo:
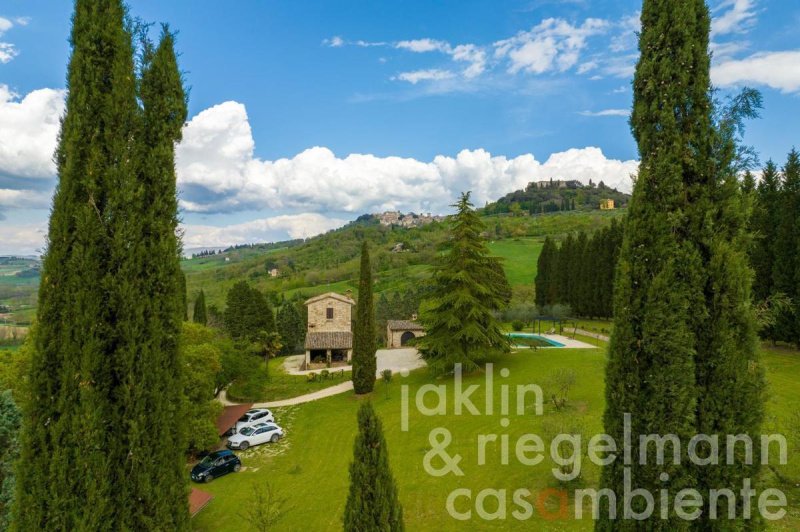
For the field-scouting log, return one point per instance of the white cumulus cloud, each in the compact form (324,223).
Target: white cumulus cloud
(554,44)
(218,172)
(778,70)
(271,229)
(28,131)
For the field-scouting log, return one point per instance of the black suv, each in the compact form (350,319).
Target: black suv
(215,465)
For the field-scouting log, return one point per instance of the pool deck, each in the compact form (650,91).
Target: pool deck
(569,343)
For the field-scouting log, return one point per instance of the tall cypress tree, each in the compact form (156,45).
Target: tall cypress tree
(764,225)
(651,371)
(787,250)
(10,419)
(364,345)
(466,290)
(105,373)
(682,358)
(156,476)
(289,325)
(372,503)
(544,273)
(199,315)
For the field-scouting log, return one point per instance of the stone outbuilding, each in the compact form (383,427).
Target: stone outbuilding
(329,337)
(400,332)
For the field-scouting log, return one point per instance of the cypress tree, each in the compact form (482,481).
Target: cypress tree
(544,273)
(466,289)
(787,246)
(372,503)
(651,371)
(10,419)
(563,268)
(364,346)
(764,226)
(105,374)
(199,315)
(683,357)
(290,327)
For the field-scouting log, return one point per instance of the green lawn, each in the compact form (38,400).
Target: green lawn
(310,466)
(519,258)
(280,385)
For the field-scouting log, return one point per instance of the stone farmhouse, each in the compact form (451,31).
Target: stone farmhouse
(329,337)
(400,332)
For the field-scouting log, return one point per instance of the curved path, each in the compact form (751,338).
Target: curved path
(395,359)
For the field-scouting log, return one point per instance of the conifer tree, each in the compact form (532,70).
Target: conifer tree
(764,225)
(247,312)
(651,373)
(466,290)
(372,503)
(290,327)
(787,249)
(199,315)
(105,374)
(544,274)
(682,357)
(364,346)
(10,419)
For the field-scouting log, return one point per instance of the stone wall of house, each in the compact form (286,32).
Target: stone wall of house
(393,338)
(317,316)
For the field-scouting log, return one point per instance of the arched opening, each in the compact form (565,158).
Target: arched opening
(406,337)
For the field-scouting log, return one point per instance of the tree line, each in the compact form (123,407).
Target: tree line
(580,271)
(775,253)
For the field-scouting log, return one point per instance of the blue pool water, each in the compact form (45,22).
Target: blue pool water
(552,343)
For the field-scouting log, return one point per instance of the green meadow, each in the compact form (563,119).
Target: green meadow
(309,468)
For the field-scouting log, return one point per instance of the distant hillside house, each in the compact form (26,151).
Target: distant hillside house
(607,205)
(274,272)
(400,332)
(329,339)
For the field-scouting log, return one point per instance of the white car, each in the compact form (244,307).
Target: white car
(254,417)
(249,436)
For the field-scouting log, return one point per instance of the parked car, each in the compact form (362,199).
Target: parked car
(215,465)
(249,436)
(253,417)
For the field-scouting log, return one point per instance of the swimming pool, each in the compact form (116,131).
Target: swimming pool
(535,337)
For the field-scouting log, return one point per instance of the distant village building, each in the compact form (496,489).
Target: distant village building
(396,218)
(400,332)
(329,338)
(274,272)
(607,205)
(558,183)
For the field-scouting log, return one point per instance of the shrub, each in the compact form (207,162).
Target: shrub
(517,325)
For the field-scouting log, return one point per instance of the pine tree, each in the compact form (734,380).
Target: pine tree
(10,419)
(364,346)
(105,373)
(372,503)
(199,315)
(787,250)
(466,290)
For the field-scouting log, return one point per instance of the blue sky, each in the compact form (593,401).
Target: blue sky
(307,114)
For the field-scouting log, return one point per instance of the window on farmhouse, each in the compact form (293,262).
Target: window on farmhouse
(329,314)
